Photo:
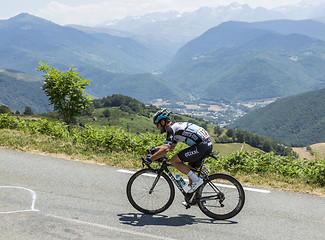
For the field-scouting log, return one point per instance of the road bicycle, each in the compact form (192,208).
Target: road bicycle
(151,191)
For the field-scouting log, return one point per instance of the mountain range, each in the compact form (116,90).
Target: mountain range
(26,40)
(233,61)
(114,64)
(240,61)
(159,26)
(186,26)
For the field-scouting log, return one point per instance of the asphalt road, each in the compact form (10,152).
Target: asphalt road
(43,197)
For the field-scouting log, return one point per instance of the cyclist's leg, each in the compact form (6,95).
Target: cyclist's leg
(179,165)
(183,156)
(192,154)
(195,154)
(193,166)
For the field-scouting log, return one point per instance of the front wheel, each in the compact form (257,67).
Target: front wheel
(221,197)
(150,192)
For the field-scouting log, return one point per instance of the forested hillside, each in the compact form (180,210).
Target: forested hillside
(20,90)
(143,86)
(239,61)
(113,64)
(298,119)
(26,40)
(128,113)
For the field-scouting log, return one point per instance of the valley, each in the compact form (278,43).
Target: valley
(218,113)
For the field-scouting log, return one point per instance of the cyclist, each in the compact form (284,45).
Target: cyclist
(194,136)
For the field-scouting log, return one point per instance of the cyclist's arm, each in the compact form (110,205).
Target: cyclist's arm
(169,145)
(172,147)
(162,151)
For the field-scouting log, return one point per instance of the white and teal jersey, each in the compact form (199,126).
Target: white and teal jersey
(185,132)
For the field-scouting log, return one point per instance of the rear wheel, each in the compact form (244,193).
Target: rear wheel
(150,193)
(222,197)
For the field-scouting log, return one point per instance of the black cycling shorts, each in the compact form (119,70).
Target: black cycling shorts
(195,154)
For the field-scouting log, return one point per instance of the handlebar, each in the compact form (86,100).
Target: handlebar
(162,159)
(151,151)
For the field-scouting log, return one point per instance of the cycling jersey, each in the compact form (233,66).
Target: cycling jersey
(185,132)
(196,137)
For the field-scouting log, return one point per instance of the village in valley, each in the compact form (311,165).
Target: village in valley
(220,113)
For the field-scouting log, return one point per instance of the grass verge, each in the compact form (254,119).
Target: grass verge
(42,144)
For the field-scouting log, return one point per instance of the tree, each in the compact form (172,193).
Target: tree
(28,111)
(204,125)
(107,113)
(230,132)
(66,91)
(240,135)
(218,130)
(4,109)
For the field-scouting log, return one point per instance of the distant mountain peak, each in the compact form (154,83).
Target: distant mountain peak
(29,18)
(24,17)
(236,6)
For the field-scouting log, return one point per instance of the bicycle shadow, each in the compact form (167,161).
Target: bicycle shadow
(140,219)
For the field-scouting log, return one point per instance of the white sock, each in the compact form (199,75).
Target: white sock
(193,177)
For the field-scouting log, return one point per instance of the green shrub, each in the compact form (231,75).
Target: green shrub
(311,171)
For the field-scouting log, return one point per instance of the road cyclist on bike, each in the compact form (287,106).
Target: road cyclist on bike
(197,139)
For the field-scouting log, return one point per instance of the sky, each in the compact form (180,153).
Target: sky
(93,12)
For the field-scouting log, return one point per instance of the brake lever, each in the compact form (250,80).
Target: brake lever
(145,165)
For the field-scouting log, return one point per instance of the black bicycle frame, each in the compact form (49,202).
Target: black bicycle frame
(164,167)
(190,197)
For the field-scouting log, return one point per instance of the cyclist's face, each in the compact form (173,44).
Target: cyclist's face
(160,127)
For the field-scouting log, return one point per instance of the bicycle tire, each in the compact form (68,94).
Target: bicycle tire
(222,197)
(138,188)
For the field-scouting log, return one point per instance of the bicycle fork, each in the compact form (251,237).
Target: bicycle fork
(155,182)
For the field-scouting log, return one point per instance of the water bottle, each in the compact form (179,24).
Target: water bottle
(180,180)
